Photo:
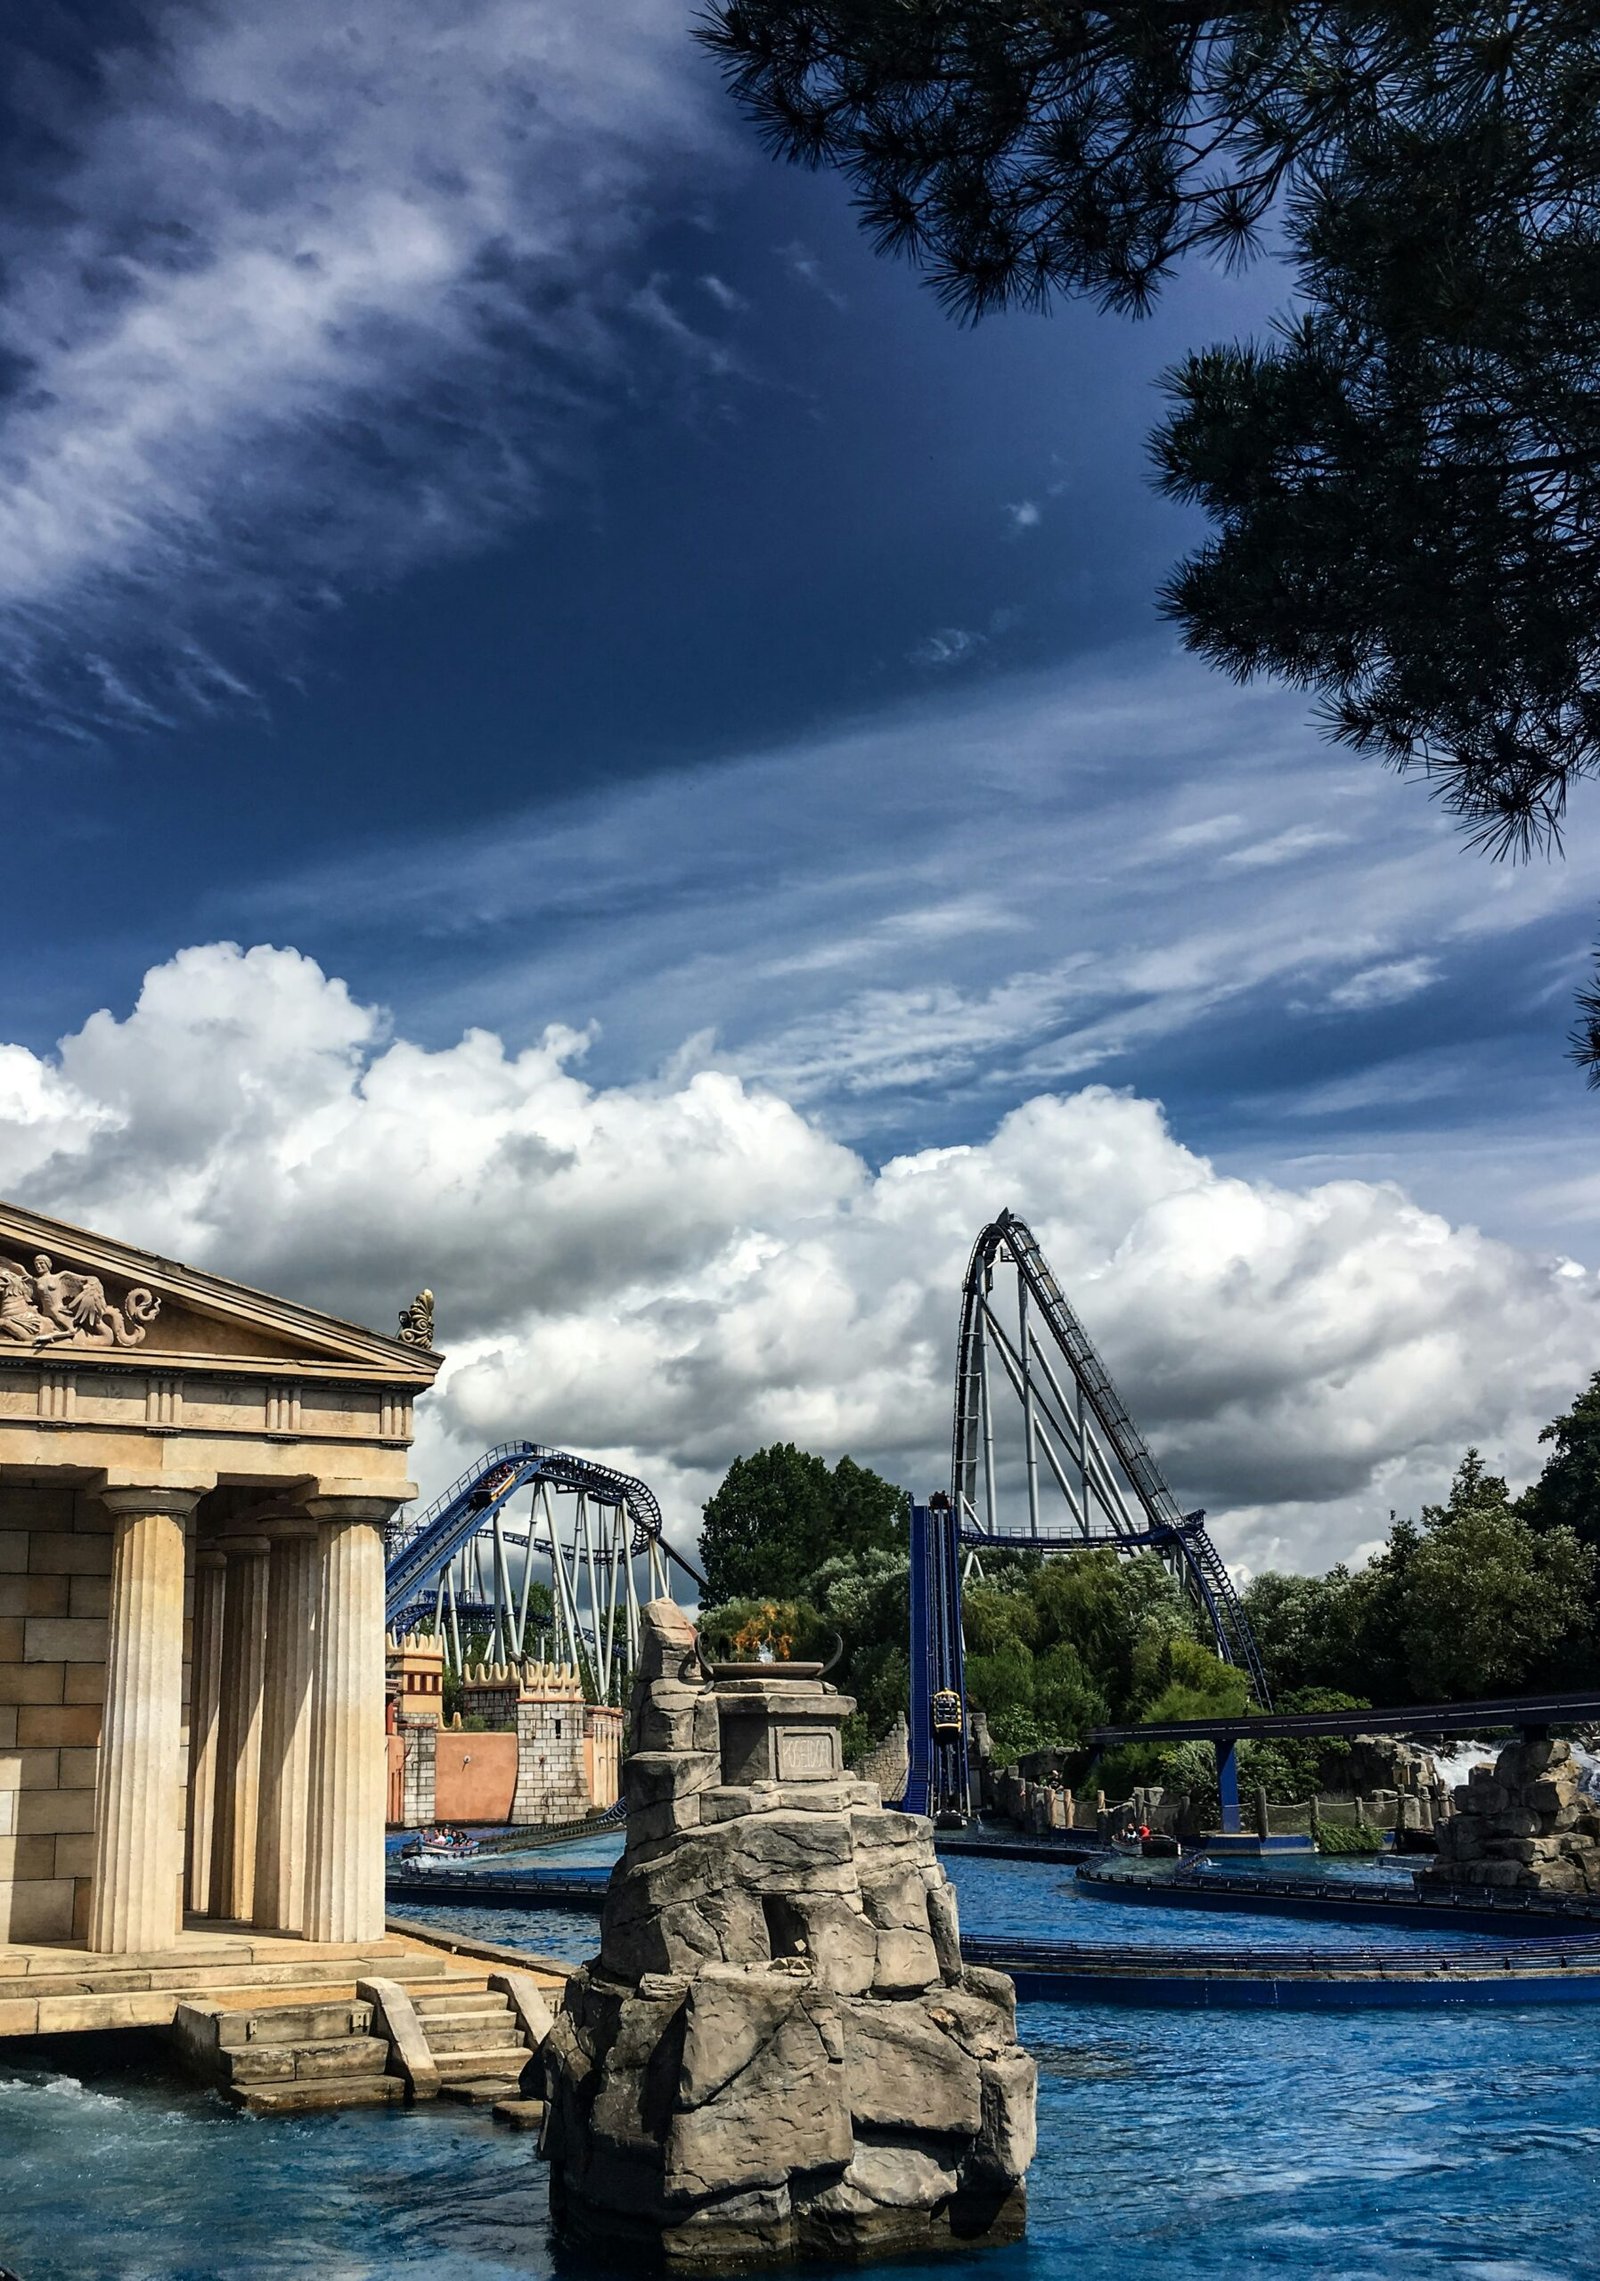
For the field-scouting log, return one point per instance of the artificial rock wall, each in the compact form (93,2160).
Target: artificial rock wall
(778,2053)
(1522,1823)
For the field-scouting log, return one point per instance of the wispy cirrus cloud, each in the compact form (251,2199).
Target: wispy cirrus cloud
(1021,883)
(1388,984)
(307,295)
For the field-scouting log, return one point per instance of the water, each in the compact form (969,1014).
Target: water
(1035,1901)
(1173,2146)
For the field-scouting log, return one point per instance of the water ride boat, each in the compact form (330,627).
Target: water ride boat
(441,1843)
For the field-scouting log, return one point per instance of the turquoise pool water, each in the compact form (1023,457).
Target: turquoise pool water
(1343,2147)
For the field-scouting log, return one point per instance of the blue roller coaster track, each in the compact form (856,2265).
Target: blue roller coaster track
(615,1520)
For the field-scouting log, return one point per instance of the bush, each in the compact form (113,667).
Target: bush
(1347,1838)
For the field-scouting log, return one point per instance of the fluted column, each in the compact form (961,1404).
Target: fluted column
(137,1849)
(244,1647)
(281,1849)
(205,1704)
(344,1884)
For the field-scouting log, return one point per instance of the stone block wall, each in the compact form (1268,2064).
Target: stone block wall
(552,1776)
(419,1740)
(489,1692)
(888,1763)
(55,1573)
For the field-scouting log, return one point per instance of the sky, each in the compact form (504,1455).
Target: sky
(567,736)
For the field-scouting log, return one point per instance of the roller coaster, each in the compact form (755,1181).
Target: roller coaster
(465,1566)
(1045,1459)
(1071,1472)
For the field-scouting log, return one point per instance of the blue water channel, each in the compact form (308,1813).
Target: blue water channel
(1349,2146)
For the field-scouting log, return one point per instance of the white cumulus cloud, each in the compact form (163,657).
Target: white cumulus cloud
(670,1272)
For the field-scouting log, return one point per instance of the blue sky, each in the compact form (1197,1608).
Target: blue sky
(472,519)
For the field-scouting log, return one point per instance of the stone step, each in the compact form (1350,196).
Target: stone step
(459,1992)
(469,2035)
(520,2114)
(302,2098)
(293,2023)
(210,1956)
(484,2059)
(210,1980)
(307,2062)
(479,2091)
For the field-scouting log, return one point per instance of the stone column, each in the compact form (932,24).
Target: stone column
(205,1704)
(349,1784)
(244,1645)
(137,1847)
(280,1895)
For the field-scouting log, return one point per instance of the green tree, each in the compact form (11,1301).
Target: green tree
(1176,1678)
(779,1514)
(1493,1606)
(1301,1626)
(1567,1493)
(1405,480)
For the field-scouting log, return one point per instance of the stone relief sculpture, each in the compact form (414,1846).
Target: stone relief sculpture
(51,1307)
(416,1322)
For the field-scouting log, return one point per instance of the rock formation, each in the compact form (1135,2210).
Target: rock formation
(1522,1823)
(1374,1763)
(778,2053)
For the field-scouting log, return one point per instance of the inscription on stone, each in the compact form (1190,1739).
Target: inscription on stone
(804,1755)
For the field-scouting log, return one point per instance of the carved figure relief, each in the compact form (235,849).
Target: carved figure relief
(416,1322)
(50,1307)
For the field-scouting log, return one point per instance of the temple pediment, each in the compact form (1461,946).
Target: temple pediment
(70,1298)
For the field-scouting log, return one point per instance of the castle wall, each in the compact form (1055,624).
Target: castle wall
(475,1778)
(552,1772)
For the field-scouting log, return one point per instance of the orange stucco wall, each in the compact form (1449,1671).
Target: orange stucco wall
(476,1777)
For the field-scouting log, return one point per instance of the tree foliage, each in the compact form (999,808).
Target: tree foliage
(1405,479)
(1567,1493)
(1474,1600)
(780,1514)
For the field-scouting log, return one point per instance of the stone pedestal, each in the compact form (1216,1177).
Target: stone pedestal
(137,1843)
(778,2053)
(344,1883)
(280,1881)
(238,1788)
